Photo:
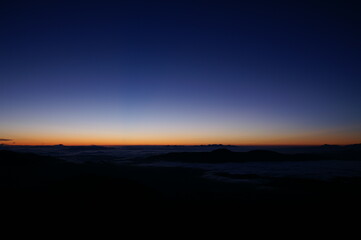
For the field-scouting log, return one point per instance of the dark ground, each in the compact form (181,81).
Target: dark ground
(36,185)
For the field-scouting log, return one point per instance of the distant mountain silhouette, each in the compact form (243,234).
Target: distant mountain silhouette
(353,147)
(216,145)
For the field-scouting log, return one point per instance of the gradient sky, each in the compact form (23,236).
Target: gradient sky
(180,72)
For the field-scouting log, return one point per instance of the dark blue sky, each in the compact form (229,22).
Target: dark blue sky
(183,72)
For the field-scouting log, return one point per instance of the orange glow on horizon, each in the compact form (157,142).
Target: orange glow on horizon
(182,137)
(254,142)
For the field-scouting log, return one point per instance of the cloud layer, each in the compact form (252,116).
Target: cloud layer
(5,140)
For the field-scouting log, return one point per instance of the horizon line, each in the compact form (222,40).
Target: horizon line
(189,145)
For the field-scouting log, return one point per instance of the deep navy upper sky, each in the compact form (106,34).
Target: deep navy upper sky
(180,72)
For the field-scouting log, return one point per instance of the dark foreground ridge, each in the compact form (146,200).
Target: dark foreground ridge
(29,182)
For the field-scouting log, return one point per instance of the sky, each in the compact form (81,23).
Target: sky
(180,72)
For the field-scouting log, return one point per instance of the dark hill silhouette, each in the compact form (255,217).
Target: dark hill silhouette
(29,181)
(39,183)
(14,159)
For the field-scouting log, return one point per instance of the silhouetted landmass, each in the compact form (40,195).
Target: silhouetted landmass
(41,183)
(223,155)
(326,148)
(29,181)
(61,147)
(14,159)
(350,146)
